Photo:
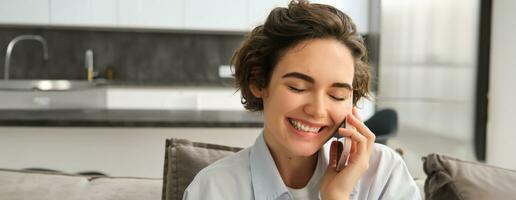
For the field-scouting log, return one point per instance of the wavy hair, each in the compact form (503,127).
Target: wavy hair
(256,58)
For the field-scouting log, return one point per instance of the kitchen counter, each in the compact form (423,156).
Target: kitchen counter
(130,118)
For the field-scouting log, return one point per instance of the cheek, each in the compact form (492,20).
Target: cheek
(347,108)
(339,112)
(285,101)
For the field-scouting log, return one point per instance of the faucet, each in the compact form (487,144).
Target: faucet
(11,46)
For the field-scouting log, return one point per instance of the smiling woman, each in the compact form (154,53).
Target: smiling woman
(305,69)
(302,90)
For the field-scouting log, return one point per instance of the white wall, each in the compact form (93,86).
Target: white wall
(501,132)
(137,152)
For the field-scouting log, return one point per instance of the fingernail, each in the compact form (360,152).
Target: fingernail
(333,153)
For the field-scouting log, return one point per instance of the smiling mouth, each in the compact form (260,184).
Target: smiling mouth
(304,127)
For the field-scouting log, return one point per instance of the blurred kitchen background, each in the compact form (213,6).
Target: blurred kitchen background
(160,69)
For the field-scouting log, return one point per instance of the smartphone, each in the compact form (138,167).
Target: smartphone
(342,145)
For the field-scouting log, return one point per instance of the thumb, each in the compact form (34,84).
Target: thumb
(331,171)
(329,175)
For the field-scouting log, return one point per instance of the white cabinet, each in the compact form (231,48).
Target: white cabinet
(217,15)
(27,12)
(92,13)
(328,2)
(173,98)
(358,10)
(259,10)
(152,99)
(151,13)
(203,15)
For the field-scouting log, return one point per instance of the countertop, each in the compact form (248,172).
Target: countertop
(130,118)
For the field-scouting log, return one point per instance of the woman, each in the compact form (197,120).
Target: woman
(305,69)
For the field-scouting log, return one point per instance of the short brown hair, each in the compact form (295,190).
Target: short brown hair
(284,28)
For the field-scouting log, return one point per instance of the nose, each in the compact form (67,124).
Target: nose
(315,107)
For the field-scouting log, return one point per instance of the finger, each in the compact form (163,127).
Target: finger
(334,153)
(356,114)
(361,128)
(362,142)
(353,147)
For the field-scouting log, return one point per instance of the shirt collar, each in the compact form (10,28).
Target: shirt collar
(266,180)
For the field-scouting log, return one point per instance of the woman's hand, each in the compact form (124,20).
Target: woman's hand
(338,185)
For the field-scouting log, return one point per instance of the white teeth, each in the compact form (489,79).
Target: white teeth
(303,127)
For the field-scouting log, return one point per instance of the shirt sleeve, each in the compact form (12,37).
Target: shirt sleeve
(219,183)
(202,187)
(397,181)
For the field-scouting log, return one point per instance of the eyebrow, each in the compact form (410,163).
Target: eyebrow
(311,80)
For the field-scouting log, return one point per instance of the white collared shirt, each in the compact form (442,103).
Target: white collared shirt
(311,190)
(252,174)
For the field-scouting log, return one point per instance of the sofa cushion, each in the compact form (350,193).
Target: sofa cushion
(451,178)
(22,185)
(184,159)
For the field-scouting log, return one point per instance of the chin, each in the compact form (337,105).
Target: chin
(304,148)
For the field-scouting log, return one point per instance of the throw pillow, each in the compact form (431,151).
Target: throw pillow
(451,178)
(184,159)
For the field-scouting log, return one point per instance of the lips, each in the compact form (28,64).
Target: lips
(304,127)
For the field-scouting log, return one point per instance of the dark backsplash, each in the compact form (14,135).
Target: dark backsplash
(142,58)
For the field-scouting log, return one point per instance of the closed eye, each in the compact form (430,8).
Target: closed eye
(295,89)
(337,98)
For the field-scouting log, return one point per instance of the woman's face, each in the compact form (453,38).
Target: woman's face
(309,95)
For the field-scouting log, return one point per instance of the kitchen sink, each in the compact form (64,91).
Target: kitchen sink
(53,94)
(49,85)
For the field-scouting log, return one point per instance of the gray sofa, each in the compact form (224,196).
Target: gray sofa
(448,178)
(25,185)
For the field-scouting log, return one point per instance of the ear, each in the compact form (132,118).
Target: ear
(257,92)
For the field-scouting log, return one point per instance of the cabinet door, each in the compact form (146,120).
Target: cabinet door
(218,15)
(84,13)
(358,10)
(34,12)
(259,10)
(328,2)
(151,13)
